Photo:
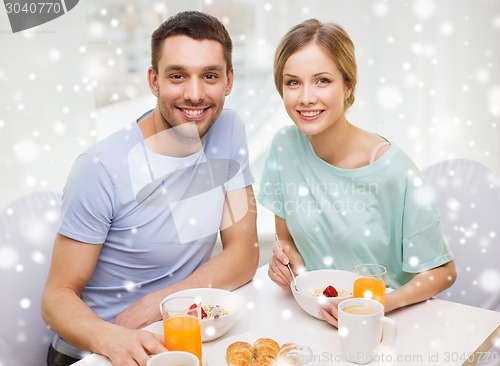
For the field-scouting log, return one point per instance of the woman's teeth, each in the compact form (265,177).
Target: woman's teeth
(310,114)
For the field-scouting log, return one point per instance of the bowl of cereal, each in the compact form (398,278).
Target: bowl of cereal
(219,310)
(318,289)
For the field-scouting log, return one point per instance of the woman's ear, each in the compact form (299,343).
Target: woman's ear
(347,91)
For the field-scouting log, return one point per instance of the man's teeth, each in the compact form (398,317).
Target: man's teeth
(310,114)
(193,112)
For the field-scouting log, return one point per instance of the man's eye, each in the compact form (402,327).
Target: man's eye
(211,76)
(176,76)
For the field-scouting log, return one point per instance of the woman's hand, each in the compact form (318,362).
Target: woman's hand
(278,270)
(332,316)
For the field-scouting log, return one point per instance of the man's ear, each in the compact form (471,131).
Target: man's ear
(153,81)
(229,84)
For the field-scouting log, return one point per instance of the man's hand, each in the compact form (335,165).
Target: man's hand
(141,313)
(126,347)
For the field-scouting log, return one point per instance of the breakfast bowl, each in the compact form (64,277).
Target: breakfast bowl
(220,306)
(312,284)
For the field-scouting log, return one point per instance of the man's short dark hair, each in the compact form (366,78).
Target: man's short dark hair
(196,25)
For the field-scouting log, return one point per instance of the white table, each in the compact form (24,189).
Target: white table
(435,332)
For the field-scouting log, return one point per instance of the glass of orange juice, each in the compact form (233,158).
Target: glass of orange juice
(371,284)
(182,324)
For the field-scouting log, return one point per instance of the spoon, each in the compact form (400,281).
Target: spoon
(288,264)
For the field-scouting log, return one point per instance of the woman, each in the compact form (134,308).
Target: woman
(341,195)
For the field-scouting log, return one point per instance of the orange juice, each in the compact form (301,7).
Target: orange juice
(183,333)
(372,288)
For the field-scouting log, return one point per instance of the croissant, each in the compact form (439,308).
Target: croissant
(286,345)
(239,354)
(266,350)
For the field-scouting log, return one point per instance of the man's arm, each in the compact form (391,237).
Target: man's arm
(230,269)
(72,266)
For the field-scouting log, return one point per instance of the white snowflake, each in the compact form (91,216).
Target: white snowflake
(494,101)
(8,257)
(489,280)
(286,314)
(55,54)
(381,9)
(424,9)
(447,29)
(38,257)
(389,97)
(414,261)
(25,303)
(130,286)
(26,150)
(210,331)
(303,191)
(424,196)
(328,261)
(343,332)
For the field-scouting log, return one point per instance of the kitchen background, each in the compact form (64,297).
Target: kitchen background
(429,79)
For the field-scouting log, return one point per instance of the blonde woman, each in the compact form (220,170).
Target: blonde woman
(342,195)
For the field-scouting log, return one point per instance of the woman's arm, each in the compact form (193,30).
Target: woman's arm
(422,287)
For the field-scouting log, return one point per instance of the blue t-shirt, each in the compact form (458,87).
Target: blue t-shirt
(157,216)
(380,213)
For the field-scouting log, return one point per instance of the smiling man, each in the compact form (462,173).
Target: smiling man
(142,208)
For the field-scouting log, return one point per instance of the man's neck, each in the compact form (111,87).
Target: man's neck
(175,142)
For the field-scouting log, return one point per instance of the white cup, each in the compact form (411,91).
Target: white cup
(174,358)
(361,322)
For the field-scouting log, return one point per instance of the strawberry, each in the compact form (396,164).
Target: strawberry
(203,313)
(330,291)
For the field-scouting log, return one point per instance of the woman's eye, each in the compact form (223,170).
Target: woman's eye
(324,81)
(292,83)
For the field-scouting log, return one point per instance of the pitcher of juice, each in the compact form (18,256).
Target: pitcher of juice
(182,324)
(372,283)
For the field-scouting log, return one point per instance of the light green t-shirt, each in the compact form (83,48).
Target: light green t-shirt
(381,213)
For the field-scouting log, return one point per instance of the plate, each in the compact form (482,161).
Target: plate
(217,355)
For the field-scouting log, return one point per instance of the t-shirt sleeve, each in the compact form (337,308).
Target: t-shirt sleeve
(271,194)
(424,242)
(239,154)
(87,207)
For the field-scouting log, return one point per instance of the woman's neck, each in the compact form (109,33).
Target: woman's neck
(335,144)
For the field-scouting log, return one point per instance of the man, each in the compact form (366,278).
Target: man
(142,208)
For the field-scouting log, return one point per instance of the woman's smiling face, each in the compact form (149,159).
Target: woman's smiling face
(314,91)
